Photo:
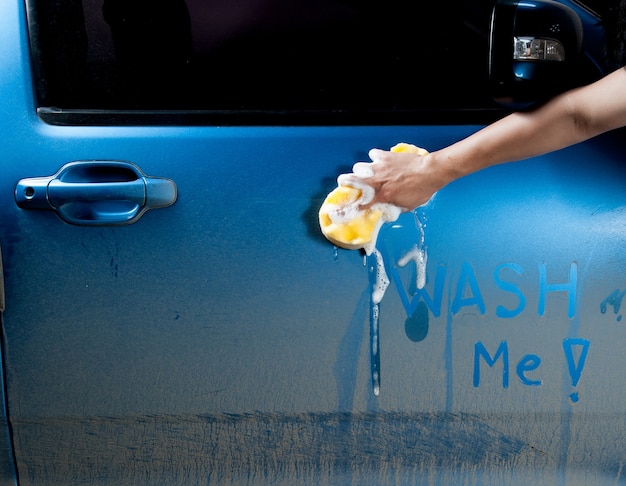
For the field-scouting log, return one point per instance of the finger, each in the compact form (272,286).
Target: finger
(363,169)
(351,180)
(346,180)
(375,154)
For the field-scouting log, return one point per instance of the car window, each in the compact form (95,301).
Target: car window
(598,6)
(311,57)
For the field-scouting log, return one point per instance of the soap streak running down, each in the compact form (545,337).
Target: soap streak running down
(375,347)
(380,282)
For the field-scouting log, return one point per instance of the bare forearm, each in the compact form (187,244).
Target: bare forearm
(566,120)
(409,180)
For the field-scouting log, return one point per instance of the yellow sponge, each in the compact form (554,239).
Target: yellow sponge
(408,148)
(347,226)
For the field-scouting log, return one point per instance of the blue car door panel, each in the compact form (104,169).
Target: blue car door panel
(172,313)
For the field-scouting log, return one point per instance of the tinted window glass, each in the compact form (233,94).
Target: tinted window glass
(598,6)
(261,55)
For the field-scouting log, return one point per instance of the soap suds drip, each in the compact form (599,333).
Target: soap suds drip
(382,280)
(380,285)
(375,348)
(418,255)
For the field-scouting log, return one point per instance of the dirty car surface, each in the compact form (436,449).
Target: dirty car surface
(173,314)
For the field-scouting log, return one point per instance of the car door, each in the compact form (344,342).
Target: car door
(174,315)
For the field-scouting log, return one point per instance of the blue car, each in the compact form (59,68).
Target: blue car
(172,313)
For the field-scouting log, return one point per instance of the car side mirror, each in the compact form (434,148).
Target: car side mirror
(534,48)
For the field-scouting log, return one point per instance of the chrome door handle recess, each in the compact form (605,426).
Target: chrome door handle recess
(96,193)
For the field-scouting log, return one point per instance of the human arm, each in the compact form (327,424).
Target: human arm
(409,180)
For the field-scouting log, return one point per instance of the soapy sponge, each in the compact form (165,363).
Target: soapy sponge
(347,226)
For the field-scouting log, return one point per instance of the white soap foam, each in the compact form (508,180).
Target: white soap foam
(344,213)
(349,180)
(419,257)
(382,280)
(416,254)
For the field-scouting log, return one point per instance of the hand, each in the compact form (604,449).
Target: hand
(403,179)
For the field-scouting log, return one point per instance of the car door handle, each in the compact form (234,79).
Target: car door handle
(96,193)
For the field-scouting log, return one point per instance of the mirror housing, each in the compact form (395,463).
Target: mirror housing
(534,49)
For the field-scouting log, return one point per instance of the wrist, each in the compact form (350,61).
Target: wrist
(439,169)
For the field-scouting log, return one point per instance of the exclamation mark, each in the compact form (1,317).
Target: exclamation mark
(573,348)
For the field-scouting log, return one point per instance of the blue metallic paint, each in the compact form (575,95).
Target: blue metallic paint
(224,339)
